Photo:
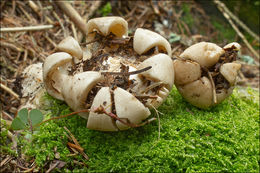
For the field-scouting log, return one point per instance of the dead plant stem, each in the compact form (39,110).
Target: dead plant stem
(128,73)
(27,28)
(236,19)
(237,30)
(213,88)
(73,15)
(10,91)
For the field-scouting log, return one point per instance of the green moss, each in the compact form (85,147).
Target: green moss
(106,9)
(5,141)
(223,138)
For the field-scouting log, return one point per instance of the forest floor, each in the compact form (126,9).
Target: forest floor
(182,23)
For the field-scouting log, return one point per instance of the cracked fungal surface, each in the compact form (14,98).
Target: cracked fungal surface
(124,75)
(205,74)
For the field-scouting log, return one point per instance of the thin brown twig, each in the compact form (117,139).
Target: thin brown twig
(237,30)
(146,97)
(30,169)
(7,115)
(74,31)
(72,136)
(11,46)
(128,73)
(10,91)
(5,161)
(94,7)
(35,8)
(236,19)
(101,110)
(24,11)
(213,88)
(50,40)
(62,116)
(155,7)
(13,7)
(77,147)
(61,23)
(15,163)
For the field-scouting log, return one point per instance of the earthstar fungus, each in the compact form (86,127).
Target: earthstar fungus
(125,75)
(205,74)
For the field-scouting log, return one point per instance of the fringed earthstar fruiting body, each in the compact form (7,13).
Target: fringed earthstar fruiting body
(122,75)
(205,74)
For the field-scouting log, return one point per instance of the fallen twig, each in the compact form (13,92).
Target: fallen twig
(7,115)
(50,41)
(95,5)
(236,19)
(128,73)
(73,15)
(30,169)
(76,145)
(71,135)
(35,8)
(213,88)
(61,23)
(79,148)
(11,46)
(237,30)
(5,161)
(52,167)
(10,91)
(26,28)
(62,116)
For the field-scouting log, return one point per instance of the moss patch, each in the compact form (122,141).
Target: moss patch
(223,138)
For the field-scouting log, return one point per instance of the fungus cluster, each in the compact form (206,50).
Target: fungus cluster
(205,74)
(113,73)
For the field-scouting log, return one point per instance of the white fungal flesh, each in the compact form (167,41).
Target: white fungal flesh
(232,44)
(204,53)
(145,39)
(106,25)
(101,121)
(128,107)
(162,69)
(71,46)
(76,89)
(230,71)
(198,93)
(186,71)
(223,94)
(53,73)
